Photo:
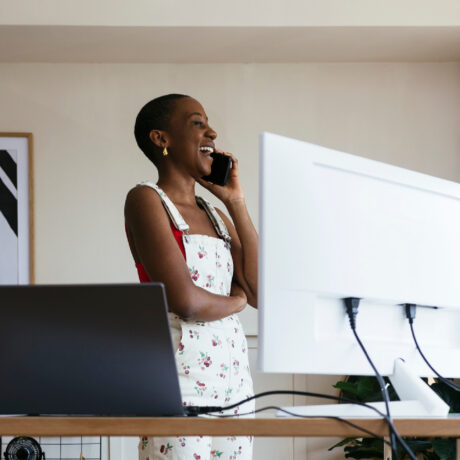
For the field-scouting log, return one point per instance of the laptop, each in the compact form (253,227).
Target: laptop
(95,349)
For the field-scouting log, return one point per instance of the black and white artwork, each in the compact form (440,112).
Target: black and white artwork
(15,212)
(9,216)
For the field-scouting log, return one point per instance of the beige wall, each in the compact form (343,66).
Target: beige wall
(86,159)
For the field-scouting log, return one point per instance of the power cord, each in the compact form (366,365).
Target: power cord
(347,422)
(410,309)
(200,410)
(352,305)
(209,409)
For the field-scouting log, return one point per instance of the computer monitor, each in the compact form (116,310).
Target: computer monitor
(334,225)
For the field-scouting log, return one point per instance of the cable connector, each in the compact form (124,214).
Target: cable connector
(410,311)
(194,411)
(352,305)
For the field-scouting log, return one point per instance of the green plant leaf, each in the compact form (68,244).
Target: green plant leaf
(429,455)
(418,445)
(343,442)
(349,390)
(346,386)
(447,394)
(364,389)
(369,389)
(362,452)
(364,448)
(445,448)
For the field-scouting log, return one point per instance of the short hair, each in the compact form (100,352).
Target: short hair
(156,114)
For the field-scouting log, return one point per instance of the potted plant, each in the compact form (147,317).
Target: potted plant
(367,389)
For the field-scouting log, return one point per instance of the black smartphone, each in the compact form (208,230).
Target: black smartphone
(220,169)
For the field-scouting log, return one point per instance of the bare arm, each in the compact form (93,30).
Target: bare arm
(244,235)
(244,247)
(149,229)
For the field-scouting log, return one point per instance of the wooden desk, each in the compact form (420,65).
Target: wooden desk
(125,426)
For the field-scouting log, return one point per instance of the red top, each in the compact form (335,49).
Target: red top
(143,277)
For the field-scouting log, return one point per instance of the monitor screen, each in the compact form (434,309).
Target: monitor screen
(334,225)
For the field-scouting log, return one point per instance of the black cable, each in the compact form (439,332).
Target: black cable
(386,398)
(340,419)
(410,314)
(196,410)
(352,304)
(443,379)
(209,409)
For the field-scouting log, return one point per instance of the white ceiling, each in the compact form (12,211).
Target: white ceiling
(227,44)
(235,13)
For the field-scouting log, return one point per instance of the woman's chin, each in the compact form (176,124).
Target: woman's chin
(205,170)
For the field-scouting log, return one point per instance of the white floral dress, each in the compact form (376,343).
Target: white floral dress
(211,356)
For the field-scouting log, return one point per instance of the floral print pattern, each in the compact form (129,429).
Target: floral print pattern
(215,341)
(194,273)
(209,281)
(164,449)
(144,442)
(211,357)
(204,361)
(202,252)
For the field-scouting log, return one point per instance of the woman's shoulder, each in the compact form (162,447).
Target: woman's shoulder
(142,189)
(140,197)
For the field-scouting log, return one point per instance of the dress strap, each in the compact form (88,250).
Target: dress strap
(172,211)
(217,222)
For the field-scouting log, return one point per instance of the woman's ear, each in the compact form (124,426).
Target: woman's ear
(157,137)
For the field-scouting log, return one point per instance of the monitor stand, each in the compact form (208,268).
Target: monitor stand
(417,400)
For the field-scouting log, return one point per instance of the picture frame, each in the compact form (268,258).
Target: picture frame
(16,209)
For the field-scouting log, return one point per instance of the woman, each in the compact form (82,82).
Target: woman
(208,267)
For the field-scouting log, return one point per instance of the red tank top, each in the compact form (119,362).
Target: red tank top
(143,277)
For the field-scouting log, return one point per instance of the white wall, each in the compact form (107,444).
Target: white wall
(86,159)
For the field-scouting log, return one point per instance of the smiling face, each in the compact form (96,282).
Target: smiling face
(190,138)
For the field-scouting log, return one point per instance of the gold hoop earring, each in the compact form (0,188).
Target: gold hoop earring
(165,151)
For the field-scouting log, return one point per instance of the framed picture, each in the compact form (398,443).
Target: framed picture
(16,209)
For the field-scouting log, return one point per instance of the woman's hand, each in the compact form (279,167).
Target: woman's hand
(237,291)
(232,190)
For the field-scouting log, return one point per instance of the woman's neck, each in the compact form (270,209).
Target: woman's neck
(179,192)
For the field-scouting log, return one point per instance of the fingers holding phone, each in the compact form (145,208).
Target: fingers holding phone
(224,180)
(234,161)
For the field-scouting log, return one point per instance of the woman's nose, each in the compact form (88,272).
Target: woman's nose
(211,133)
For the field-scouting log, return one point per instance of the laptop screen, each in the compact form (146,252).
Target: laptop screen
(87,350)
